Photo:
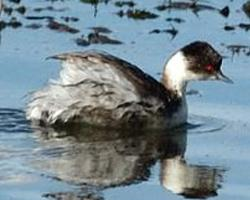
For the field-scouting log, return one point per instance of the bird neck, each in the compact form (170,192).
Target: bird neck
(175,73)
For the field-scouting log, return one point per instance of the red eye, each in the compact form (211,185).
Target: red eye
(209,68)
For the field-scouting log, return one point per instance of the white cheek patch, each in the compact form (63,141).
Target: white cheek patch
(176,72)
(194,76)
(176,67)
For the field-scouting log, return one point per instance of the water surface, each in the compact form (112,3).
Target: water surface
(207,159)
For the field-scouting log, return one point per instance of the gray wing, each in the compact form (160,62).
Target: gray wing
(96,86)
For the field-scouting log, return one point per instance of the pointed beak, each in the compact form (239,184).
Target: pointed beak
(220,76)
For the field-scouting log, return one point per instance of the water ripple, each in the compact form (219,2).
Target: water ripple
(13,121)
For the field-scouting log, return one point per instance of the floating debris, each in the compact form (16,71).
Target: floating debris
(54,0)
(101,29)
(141,14)
(21,10)
(173,32)
(125,3)
(244,26)
(82,41)
(34,26)
(60,27)
(237,49)
(49,8)
(3,25)
(225,11)
(137,14)
(40,18)
(246,8)
(7,10)
(15,1)
(91,1)
(94,3)
(194,6)
(70,19)
(162,7)
(13,23)
(95,38)
(157,31)
(229,28)
(176,20)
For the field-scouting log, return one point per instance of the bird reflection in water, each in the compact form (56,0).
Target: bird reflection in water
(97,159)
(191,181)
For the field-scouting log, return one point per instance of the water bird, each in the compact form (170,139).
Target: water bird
(97,88)
(194,6)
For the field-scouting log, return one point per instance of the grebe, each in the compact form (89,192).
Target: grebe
(97,88)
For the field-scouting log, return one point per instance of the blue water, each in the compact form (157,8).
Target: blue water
(209,159)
